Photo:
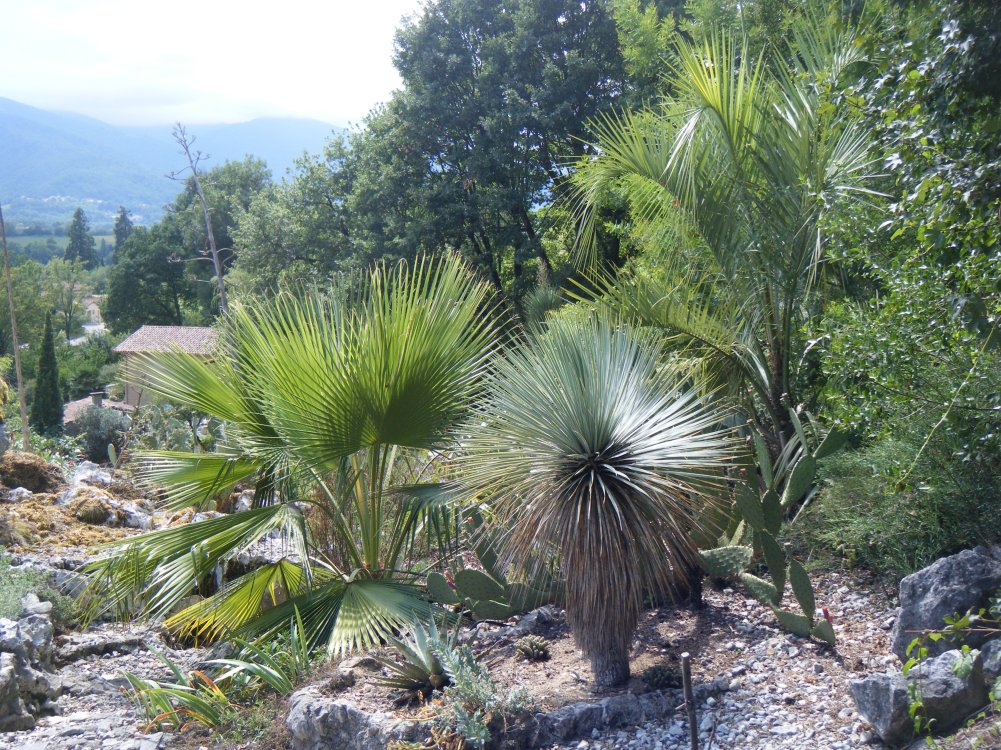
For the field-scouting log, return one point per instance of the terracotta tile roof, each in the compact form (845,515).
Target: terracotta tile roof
(73,410)
(149,339)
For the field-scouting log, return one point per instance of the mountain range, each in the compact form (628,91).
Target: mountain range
(53,162)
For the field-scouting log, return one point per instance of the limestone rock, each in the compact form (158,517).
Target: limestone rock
(883,701)
(29,471)
(87,472)
(317,723)
(949,586)
(18,494)
(991,654)
(27,685)
(95,506)
(79,645)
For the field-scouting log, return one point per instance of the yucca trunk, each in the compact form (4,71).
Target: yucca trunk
(610,669)
(602,603)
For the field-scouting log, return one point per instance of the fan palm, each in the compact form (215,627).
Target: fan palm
(328,401)
(749,159)
(587,447)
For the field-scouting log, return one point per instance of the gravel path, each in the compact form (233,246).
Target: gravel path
(784,691)
(94,711)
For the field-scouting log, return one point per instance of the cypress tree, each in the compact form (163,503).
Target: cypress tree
(47,406)
(81,243)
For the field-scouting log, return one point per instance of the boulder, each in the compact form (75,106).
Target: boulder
(952,585)
(87,472)
(316,722)
(991,653)
(93,509)
(78,646)
(29,471)
(95,506)
(18,494)
(27,685)
(883,700)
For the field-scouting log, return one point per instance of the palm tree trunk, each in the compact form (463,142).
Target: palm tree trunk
(610,668)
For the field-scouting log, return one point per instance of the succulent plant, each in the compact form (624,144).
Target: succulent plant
(662,676)
(726,562)
(758,519)
(420,673)
(487,593)
(532,647)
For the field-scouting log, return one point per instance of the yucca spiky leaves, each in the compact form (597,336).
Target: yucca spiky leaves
(587,447)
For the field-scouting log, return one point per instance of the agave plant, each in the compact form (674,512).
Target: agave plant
(329,401)
(588,447)
(420,672)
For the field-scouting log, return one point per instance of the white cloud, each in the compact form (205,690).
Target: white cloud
(158,62)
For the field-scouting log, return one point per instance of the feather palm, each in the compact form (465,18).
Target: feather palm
(750,157)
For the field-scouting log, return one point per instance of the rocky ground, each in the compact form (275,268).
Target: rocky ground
(94,712)
(784,691)
(780,691)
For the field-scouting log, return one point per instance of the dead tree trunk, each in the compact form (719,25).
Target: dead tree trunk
(185,142)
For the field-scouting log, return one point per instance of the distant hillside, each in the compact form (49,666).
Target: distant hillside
(52,162)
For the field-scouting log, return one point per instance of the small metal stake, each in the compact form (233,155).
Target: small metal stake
(686,681)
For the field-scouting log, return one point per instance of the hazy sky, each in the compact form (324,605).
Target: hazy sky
(152,62)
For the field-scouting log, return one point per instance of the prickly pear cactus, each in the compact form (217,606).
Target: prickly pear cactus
(726,562)
(441,591)
(487,593)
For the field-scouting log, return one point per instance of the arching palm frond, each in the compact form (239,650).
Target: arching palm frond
(349,394)
(751,155)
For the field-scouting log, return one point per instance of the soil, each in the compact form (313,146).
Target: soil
(716,635)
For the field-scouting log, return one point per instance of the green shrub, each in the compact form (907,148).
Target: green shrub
(14,584)
(869,514)
(98,428)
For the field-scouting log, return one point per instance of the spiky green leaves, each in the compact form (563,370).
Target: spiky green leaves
(588,447)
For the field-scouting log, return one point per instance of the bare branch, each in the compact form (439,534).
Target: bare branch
(194,157)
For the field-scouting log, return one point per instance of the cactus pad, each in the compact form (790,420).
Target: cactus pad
(491,610)
(440,591)
(760,589)
(776,560)
(726,562)
(795,624)
(824,631)
(477,586)
(747,502)
(802,588)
